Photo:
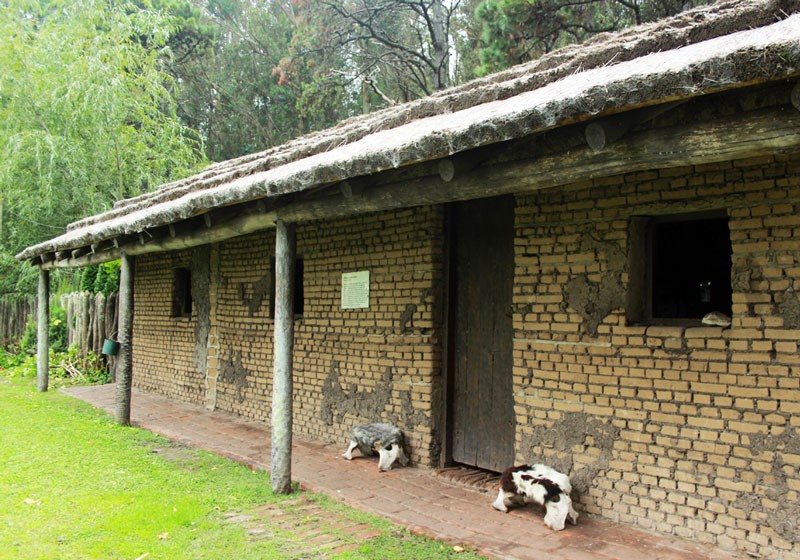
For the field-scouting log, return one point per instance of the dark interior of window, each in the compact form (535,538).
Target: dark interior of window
(181,292)
(691,267)
(299,296)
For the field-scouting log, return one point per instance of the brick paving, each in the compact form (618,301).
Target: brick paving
(414,497)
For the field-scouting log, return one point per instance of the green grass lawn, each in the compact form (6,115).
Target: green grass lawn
(75,485)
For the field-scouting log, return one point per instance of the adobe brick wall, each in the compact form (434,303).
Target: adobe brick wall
(163,353)
(351,366)
(689,431)
(381,363)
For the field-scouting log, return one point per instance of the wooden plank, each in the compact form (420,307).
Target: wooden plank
(483,408)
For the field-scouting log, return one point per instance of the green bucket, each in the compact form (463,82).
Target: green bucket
(110,347)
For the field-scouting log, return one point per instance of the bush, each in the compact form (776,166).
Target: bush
(65,367)
(58,332)
(16,363)
(100,279)
(70,365)
(11,357)
(88,279)
(111,283)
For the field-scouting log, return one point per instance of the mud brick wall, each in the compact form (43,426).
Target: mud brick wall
(377,364)
(164,346)
(693,431)
(242,279)
(351,366)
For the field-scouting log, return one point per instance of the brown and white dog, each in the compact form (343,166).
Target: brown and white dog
(541,485)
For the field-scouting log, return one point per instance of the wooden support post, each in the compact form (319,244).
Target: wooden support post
(43,332)
(125,337)
(282,366)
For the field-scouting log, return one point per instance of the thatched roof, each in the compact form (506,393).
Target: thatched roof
(709,49)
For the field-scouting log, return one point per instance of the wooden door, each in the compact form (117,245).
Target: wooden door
(483,273)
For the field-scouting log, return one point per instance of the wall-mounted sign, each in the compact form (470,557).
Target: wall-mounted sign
(355,290)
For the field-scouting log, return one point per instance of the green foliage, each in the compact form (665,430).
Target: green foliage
(75,368)
(11,358)
(58,332)
(88,278)
(29,337)
(100,280)
(88,115)
(16,279)
(111,284)
(513,31)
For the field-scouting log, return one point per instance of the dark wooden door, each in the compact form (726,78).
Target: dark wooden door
(483,272)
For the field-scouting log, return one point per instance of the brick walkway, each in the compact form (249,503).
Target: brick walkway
(416,498)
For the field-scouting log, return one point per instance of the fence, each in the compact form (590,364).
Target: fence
(91,318)
(14,316)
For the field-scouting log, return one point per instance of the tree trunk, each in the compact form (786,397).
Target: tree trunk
(125,356)
(441,48)
(43,332)
(282,369)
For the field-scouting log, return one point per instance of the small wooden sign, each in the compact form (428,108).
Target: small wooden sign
(355,290)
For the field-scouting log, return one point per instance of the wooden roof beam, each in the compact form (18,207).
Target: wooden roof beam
(604,132)
(80,251)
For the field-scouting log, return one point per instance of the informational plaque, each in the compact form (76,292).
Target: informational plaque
(355,290)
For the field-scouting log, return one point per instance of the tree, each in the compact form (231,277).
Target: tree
(508,32)
(252,90)
(399,48)
(87,115)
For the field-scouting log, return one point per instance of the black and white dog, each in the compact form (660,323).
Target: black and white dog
(385,439)
(538,484)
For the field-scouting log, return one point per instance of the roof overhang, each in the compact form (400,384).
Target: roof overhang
(249,194)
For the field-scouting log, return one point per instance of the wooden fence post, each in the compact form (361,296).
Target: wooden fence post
(285,248)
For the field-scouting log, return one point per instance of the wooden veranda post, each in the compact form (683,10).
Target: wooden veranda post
(285,248)
(125,336)
(43,332)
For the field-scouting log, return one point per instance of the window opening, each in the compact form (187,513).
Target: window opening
(680,266)
(181,292)
(298,303)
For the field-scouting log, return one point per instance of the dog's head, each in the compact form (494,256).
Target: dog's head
(557,508)
(387,455)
